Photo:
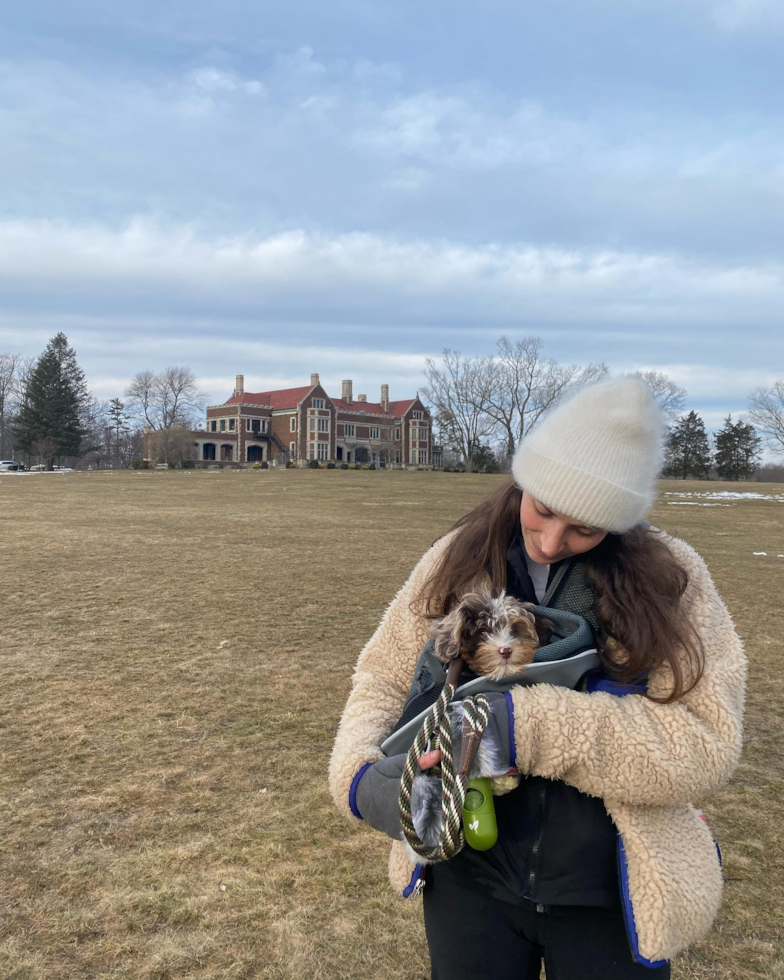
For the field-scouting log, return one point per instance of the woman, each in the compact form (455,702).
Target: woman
(603,868)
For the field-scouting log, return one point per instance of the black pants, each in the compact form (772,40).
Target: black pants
(473,936)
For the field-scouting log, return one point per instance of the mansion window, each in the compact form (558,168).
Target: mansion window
(323,425)
(213,426)
(374,432)
(323,450)
(413,456)
(292,449)
(293,424)
(397,456)
(422,455)
(397,436)
(231,425)
(312,425)
(317,403)
(349,430)
(417,415)
(223,425)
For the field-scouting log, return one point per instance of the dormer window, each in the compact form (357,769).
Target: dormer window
(317,403)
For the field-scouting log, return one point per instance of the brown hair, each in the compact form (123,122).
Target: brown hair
(637,578)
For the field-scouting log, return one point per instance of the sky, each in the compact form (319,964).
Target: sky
(349,188)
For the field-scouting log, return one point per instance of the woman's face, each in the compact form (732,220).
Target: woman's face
(551,536)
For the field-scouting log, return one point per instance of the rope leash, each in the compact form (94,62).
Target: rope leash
(453,785)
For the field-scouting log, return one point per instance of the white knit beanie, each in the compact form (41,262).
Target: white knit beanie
(596,457)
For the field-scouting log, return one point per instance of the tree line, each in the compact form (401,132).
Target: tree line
(484,406)
(49,417)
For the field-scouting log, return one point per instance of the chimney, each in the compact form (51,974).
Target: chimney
(347,396)
(239,384)
(361,398)
(384,398)
(314,380)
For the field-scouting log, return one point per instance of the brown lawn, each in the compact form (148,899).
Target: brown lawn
(163,804)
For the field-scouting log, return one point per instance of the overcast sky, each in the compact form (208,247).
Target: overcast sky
(349,187)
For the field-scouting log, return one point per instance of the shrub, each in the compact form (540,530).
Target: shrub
(264,464)
(372,466)
(313,464)
(289,464)
(141,464)
(365,466)
(256,466)
(344,466)
(330,466)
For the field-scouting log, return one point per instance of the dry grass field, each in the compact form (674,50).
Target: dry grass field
(175,653)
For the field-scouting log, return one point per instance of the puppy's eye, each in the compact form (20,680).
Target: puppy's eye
(513,632)
(483,633)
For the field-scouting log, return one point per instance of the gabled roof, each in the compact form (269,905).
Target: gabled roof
(291,397)
(370,408)
(400,408)
(284,398)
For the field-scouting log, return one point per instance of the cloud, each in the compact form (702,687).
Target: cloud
(296,272)
(309,142)
(215,80)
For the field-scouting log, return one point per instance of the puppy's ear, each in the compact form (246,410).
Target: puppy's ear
(447,635)
(544,630)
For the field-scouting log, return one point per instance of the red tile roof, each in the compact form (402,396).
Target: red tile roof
(370,408)
(399,409)
(284,398)
(291,397)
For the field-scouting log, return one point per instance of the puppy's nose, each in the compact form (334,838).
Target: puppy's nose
(506,652)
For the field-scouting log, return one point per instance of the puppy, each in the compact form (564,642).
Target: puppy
(496,636)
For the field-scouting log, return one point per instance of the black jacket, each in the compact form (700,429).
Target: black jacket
(556,845)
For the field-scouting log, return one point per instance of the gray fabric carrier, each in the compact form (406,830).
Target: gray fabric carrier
(563,661)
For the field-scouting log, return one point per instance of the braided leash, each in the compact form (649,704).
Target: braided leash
(453,786)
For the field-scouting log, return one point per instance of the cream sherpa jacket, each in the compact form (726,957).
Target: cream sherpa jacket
(646,761)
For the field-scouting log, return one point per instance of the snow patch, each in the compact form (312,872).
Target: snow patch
(693,503)
(759,553)
(725,495)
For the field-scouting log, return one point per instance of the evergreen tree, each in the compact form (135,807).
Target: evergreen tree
(52,414)
(688,450)
(737,450)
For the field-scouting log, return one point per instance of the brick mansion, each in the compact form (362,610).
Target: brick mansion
(304,424)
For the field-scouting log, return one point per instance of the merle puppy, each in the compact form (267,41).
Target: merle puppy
(496,636)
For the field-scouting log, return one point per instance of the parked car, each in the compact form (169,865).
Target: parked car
(9,464)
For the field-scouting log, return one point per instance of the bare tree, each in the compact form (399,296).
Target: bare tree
(171,445)
(670,397)
(165,400)
(766,411)
(9,367)
(45,451)
(457,390)
(521,385)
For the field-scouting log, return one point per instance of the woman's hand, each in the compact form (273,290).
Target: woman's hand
(430,759)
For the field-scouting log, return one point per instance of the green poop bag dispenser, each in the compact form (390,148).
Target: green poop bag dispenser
(479,823)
